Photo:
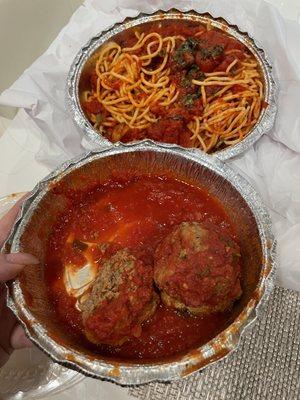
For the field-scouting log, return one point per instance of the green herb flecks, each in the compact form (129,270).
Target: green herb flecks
(99,118)
(210,52)
(189,99)
(217,51)
(193,73)
(187,47)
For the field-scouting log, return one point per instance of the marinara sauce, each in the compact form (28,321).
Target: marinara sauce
(217,51)
(136,212)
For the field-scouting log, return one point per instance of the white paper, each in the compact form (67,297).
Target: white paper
(272,165)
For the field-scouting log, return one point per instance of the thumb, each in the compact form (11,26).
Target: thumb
(12,264)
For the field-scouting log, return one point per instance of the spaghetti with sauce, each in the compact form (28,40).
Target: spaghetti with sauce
(176,82)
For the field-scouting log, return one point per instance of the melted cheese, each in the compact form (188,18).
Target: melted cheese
(78,279)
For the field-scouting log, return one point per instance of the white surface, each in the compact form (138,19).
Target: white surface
(272,165)
(4,123)
(19,170)
(20,20)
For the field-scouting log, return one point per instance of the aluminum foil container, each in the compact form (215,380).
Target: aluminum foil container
(84,61)
(28,294)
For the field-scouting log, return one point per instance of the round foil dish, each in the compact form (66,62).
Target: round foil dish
(28,296)
(83,64)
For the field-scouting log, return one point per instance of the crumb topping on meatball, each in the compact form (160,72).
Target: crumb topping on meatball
(197,267)
(120,299)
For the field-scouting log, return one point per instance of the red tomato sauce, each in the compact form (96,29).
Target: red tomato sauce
(136,213)
(215,51)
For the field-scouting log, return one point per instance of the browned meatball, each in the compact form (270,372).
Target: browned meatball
(121,299)
(197,268)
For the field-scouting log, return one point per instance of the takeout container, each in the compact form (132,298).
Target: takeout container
(28,294)
(86,58)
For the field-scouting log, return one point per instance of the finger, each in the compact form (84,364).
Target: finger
(21,258)
(18,338)
(12,264)
(6,223)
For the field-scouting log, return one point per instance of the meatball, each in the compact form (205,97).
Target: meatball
(120,300)
(197,269)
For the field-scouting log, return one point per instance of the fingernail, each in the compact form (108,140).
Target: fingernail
(21,258)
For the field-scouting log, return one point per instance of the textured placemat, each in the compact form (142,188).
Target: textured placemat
(265,366)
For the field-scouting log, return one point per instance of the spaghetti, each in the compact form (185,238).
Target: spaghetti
(176,82)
